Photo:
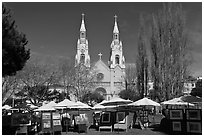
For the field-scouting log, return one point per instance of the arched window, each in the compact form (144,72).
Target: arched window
(117,59)
(116,36)
(82,59)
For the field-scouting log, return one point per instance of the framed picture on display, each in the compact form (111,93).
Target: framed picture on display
(145,113)
(176,114)
(176,126)
(193,114)
(46,124)
(141,113)
(46,115)
(56,122)
(55,116)
(145,119)
(120,117)
(106,117)
(194,127)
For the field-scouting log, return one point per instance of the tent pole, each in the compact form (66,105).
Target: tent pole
(66,122)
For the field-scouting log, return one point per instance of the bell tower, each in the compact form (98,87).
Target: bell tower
(82,56)
(116,58)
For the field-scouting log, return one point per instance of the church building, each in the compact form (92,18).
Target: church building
(110,77)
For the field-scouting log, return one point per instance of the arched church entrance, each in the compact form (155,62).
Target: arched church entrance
(101,91)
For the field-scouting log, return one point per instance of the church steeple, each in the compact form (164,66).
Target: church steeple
(82,56)
(117,58)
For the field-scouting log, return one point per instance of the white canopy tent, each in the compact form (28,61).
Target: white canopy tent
(32,106)
(47,107)
(144,102)
(115,102)
(98,106)
(176,101)
(7,107)
(66,103)
(82,106)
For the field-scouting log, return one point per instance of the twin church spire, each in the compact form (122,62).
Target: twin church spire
(82,55)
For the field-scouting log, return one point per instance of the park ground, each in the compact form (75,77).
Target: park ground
(134,131)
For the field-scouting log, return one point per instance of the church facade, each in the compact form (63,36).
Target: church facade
(110,77)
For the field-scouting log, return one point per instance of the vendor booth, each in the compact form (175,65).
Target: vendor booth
(75,115)
(116,120)
(51,122)
(183,115)
(50,119)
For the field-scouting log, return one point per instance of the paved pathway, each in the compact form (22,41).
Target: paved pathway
(134,131)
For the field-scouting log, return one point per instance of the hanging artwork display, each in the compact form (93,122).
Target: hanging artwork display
(194,127)
(120,117)
(176,125)
(176,114)
(56,122)
(106,117)
(193,114)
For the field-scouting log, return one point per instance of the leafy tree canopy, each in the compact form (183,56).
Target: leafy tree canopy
(129,94)
(92,98)
(14,53)
(38,94)
(197,91)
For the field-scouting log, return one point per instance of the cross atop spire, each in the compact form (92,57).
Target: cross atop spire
(82,23)
(115,18)
(100,55)
(115,30)
(82,16)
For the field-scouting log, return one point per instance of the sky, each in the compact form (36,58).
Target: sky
(52,28)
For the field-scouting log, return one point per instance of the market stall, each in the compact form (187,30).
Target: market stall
(142,114)
(112,117)
(183,116)
(50,119)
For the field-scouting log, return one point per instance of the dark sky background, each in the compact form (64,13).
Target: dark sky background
(52,28)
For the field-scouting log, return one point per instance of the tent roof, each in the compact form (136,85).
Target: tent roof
(47,107)
(7,107)
(115,101)
(172,101)
(98,106)
(191,99)
(144,102)
(82,105)
(66,103)
(183,100)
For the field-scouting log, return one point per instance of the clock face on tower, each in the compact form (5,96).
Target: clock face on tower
(82,51)
(100,76)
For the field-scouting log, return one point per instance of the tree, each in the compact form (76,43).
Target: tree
(169,62)
(82,81)
(92,98)
(130,76)
(14,53)
(10,84)
(142,62)
(65,76)
(197,91)
(129,94)
(38,94)
(36,79)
